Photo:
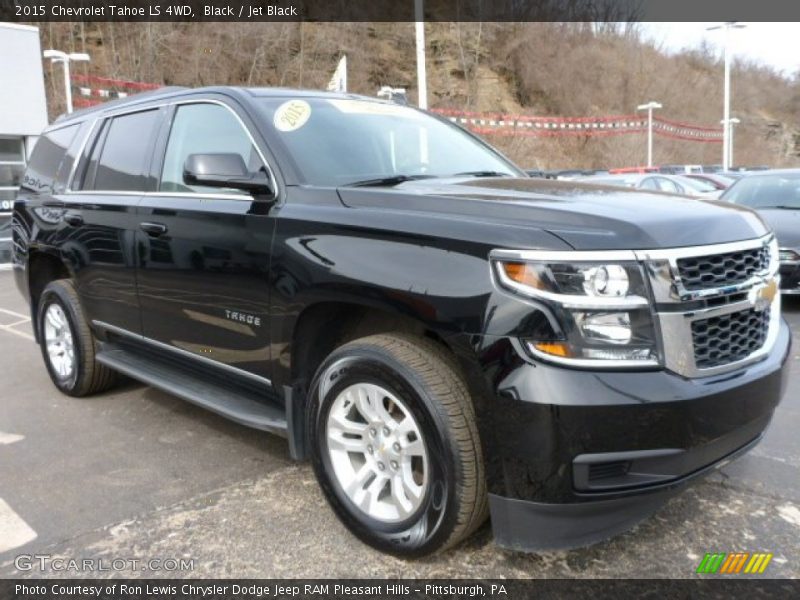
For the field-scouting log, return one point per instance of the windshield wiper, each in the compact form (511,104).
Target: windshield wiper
(782,207)
(387,181)
(483,174)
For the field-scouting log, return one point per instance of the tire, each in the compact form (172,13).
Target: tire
(443,498)
(60,302)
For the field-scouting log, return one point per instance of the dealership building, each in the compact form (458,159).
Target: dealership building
(23,114)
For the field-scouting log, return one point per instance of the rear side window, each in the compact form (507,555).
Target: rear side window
(48,154)
(123,150)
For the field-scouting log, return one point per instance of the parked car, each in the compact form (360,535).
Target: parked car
(631,170)
(776,197)
(674,184)
(751,168)
(443,337)
(719,181)
(679,169)
(568,174)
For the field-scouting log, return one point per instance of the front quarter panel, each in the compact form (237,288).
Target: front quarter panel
(431,269)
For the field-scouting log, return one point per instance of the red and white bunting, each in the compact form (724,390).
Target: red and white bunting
(100,89)
(524,125)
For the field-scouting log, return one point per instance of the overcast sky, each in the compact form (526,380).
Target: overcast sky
(774,44)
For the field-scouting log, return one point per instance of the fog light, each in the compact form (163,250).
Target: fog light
(611,328)
(606,280)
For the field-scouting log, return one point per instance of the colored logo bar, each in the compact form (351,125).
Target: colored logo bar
(734,562)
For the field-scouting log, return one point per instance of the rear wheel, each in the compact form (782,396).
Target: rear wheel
(68,346)
(395,444)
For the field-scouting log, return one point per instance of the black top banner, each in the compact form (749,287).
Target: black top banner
(32,11)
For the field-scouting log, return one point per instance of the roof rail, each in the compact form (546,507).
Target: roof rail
(128,100)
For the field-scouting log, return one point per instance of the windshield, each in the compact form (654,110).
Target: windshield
(766,191)
(337,142)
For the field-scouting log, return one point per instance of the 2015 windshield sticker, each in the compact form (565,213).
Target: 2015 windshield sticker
(292,115)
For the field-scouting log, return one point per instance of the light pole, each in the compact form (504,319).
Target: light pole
(57,56)
(726,110)
(649,107)
(419,27)
(732,122)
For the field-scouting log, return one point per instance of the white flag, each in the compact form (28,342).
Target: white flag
(338,82)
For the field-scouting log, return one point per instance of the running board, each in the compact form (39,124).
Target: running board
(239,405)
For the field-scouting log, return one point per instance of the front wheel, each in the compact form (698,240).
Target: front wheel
(395,444)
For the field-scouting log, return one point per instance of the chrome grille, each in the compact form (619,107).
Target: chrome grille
(716,270)
(729,338)
(717,306)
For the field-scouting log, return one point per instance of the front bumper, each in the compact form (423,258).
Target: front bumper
(577,456)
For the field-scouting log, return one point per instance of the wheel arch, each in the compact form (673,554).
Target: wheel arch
(43,267)
(322,327)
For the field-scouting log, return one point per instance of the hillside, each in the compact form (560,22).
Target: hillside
(532,68)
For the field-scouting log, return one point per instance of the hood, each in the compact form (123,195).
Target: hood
(586,216)
(786,225)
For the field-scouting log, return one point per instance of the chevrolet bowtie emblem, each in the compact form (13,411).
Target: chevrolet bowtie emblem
(762,297)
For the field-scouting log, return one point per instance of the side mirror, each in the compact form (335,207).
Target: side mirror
(224,171)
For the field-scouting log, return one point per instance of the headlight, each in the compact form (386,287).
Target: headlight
(576,284)
(606,280)
(599,309)
(612,328)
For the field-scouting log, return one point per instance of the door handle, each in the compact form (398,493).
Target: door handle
(153,229)
(73,219)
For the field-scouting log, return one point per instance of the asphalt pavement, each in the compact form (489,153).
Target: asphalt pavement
(148,480)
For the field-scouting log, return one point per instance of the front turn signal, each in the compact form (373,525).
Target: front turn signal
(523,273)
(553,348)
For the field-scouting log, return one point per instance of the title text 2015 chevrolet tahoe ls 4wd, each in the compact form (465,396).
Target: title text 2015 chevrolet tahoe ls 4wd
(442,336)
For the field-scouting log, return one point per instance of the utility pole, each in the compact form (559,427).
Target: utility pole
(57,56)
(649,107)
(726,101)
(419,26)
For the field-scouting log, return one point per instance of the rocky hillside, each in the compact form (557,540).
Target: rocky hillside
(532,68)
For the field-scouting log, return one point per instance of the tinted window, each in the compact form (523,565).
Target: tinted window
(125,154)
(204,129)
(47,157)
(93,151)
(767,191)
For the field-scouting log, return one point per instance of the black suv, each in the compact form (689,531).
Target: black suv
(444,337)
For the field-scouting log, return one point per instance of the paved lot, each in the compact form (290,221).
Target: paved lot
(139,474)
